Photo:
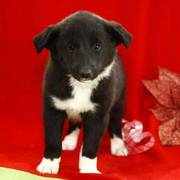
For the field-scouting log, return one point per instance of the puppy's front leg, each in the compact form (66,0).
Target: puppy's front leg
(53,124)
(94,125)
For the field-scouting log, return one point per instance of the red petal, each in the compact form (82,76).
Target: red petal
(163,113)
(165,74)
(178,120)
(175,139)
(166,132)
(176,95)
(161,91)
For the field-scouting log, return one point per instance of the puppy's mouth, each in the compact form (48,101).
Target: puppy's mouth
(84,77)
(80,80)
(83,80)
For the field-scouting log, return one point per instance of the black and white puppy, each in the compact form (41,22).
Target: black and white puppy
(84,81)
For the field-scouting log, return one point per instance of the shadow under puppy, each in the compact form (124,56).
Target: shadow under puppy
(84,81)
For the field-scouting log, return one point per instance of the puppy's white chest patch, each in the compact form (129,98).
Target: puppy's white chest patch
(79,102)
(81,95)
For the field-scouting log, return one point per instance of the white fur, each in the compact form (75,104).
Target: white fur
(49,166)
(70,140)
(87,165)
(81,100)
(118,148)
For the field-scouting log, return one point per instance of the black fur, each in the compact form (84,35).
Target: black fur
(83,45)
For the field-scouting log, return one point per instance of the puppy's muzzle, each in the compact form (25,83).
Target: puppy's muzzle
(85,74)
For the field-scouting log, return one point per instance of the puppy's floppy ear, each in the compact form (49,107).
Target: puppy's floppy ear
(46,38)
(118,33)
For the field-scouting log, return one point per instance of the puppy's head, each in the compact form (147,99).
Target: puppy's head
(83,43)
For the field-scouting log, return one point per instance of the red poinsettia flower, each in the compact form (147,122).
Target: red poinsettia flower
(166,91)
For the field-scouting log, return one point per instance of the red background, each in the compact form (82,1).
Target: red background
(156,34)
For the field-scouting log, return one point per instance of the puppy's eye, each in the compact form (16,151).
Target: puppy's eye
(71,48)
(97,46)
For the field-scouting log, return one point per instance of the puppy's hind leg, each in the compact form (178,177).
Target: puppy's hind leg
(118,147)
(70,140)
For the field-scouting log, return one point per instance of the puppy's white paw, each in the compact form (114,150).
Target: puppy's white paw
(87,165)
(118,148)
(70,141)
(92,171)
(49,166)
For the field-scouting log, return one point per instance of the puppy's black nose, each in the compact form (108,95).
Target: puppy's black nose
(86,74)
